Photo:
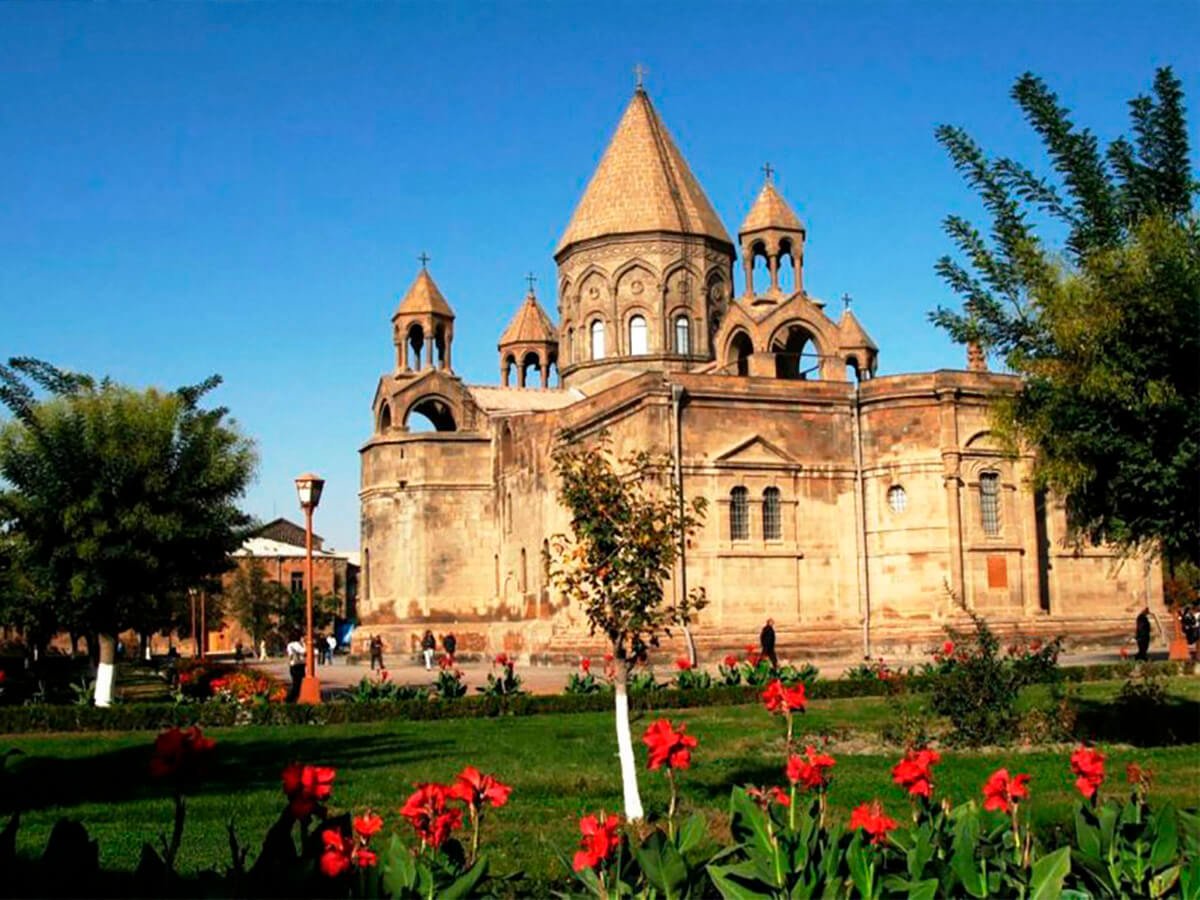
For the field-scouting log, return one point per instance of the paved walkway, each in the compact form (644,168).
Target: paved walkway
(343,673)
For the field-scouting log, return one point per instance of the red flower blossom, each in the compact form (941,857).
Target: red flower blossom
(731,661)
(948,648)
(1137,776)
(809,770)
(599,840)
(431,817)
(181,753)
(751,648)
(608,657)
(3,676)
(503,659)
(872,819)
(585,665)
(336,857)
(1035,645)
(667,746)
(764,797)
(779,698)
(915,771)
(1088,766)
(365,858)
(474,788)
(445,661)
(683,664)
(307,787)
(383,675)
(367,824)
(1001,792)
(1124,653)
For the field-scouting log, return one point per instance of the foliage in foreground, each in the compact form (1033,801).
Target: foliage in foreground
(1105,331)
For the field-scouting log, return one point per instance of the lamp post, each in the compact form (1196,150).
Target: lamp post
(308,487)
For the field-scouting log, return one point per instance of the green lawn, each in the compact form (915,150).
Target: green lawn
(560,766)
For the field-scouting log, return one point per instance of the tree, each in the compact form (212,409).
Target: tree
(1104,330)
(121,497)
(626,519)
(258,603)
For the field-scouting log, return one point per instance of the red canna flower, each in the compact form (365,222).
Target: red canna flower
(915,771)
(764,797)
(1088,766)
(780,796)
(1138,776)
(872,819)
(431,817)
(336,857)
(182,753)
(683,664)
(384,675)
(585,665)
(307,787)
(810,770)
(599,840)
(365,858)
(751,648)
(503,659)
(1124,653)
(667,746)
(608,657)
(780,698)
(730,661)
(948,648)
(1001,792)
(474,788)
(367,824)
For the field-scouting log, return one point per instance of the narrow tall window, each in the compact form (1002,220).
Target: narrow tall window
(297,582)
(638,344)
(989,502)
(739,514)
(772,522)
(597,340)
(683,335)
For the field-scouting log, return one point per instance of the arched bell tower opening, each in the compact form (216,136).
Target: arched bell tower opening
(529,345)
(423,327)
(773,233)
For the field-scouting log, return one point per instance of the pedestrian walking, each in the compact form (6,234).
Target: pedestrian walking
(766,640)
(295,657)
(428,645)
(450,644)
(1141,634)
(376,646)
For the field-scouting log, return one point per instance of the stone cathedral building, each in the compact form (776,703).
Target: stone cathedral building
(841,504)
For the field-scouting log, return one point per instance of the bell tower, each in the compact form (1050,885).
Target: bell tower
(775,233)
(423,326)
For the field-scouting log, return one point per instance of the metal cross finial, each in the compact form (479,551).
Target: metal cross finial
(845,301)
(531,278)
(768,171)
(424,258)
(640,72)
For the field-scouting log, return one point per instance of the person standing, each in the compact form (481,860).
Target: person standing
(330,646)
(450,644)
(428,645)
(376,652)
(1191,630)
(1141,634)
(766,640)
(295,658)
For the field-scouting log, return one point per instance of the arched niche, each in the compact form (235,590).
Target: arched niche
(430,413)
(741,348)
(385,416)
(416,344)
(797,355)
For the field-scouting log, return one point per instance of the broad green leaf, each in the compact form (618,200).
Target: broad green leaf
(1165,849)
(465,884)
(1161,884)
(738,882)
(1049,872)
(662,865)
(398,869)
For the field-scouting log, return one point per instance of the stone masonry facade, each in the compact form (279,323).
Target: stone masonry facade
(851,509)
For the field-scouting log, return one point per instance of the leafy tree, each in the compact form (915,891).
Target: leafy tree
(257,602)
(1105,329)
(121,497)
(626,519)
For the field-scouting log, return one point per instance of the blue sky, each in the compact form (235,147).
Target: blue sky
(243,189)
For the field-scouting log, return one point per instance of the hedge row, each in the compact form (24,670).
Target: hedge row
(156,716)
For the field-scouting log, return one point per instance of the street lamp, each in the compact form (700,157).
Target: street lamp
(308,487)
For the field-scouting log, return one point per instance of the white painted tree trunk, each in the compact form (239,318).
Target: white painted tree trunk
(106,672)
(629,782)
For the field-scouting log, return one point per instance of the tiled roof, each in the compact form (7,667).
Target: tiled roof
(502,399)
(257,546)
(530,325)
(770,210)
(642,183)
(424,297)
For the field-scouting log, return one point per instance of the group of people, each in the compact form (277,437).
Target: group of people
(429,646)
(297,653)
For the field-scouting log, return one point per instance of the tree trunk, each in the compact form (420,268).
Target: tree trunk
(629,782)
(106,672)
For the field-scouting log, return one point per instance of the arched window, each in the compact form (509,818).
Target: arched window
(683,335)
(637,336)
(598,340)
(741,349)
(570,346)
(524,572)
(897,499)
(989,502)
(772,521)
(385,417)
(739,514)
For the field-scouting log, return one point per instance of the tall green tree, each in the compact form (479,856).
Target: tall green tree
(627,518)
(1103,325)
(257,602)
(122,498)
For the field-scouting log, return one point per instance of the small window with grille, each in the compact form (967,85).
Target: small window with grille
(739,514)
(897,499)
(989,502)
(772,522)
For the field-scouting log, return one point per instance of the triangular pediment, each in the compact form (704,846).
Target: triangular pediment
(755,450)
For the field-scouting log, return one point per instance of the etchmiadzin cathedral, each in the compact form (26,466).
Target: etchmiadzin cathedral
(850,508)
